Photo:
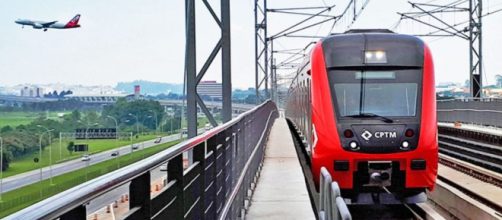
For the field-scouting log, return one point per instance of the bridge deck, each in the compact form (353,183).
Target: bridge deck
(281,192)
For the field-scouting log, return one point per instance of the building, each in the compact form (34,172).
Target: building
(210,89)
(32,92)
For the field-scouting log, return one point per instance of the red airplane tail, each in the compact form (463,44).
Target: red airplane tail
(73,22)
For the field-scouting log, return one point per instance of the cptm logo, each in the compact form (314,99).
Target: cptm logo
(379,134)
(366,135)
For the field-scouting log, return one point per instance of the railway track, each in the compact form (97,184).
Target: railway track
(486,155)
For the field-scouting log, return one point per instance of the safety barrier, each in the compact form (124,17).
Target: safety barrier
(331,204)
(484,111)
(214,186)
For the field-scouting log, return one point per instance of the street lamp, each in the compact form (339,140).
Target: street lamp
(156,122)
(137,121)
(40,160)
(50,150)
(116,126)
(143,123)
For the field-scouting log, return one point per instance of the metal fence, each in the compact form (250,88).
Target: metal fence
(331,204)
(480,111)
(215,186)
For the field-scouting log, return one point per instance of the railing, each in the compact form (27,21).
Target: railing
(484,111)
(215,186)
(331,204)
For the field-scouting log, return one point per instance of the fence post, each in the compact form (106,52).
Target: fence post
(77,213)
(139,193)
(175,173)
(199,154)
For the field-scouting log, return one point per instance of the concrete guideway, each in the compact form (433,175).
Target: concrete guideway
(281,192)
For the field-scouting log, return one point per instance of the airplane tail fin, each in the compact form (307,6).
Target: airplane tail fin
(73,22)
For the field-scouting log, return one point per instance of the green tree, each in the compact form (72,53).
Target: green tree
(70,147)
(6,160)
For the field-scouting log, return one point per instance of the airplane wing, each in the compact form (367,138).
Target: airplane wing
(48,23)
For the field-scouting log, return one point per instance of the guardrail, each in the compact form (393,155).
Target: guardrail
(484,111)
(215,186)
(331,204)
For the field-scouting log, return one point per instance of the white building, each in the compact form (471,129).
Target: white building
(211,89)
(32,92)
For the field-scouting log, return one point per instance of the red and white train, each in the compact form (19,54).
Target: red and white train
(364,103)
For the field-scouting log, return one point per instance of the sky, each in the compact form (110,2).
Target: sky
(144,40)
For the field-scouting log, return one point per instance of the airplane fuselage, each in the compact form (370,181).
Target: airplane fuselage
(52,24)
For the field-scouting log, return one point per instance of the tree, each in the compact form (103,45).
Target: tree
(6,129)
(5,161)
(70,147)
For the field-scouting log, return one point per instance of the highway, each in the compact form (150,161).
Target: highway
(30,177)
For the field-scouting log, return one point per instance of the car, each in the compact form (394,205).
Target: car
(184,131)
(86,157)
(135,146)
(158,140)
(208,127)
(115,153)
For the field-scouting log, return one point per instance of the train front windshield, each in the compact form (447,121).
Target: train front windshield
(382,93)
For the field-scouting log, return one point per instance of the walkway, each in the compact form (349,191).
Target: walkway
(281,192)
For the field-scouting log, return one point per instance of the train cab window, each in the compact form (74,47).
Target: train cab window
(383,93)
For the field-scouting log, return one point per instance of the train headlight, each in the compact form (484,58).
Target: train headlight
(405,144)
(353,145)
(375,56)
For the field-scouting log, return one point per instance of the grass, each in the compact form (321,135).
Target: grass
(23,197)
(25,163)
(15,119)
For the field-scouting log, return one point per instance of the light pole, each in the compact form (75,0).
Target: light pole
(137,122)
(60,145)
(50,150)
(143,123)
(172,130)
(156,122)
(132,148)
(116,126)
(40,160)
(1,167)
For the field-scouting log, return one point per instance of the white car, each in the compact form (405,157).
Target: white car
(86,157)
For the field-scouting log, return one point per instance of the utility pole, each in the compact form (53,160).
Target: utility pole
(475,47)
(444,29)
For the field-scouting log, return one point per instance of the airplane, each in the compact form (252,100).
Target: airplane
(73,23)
